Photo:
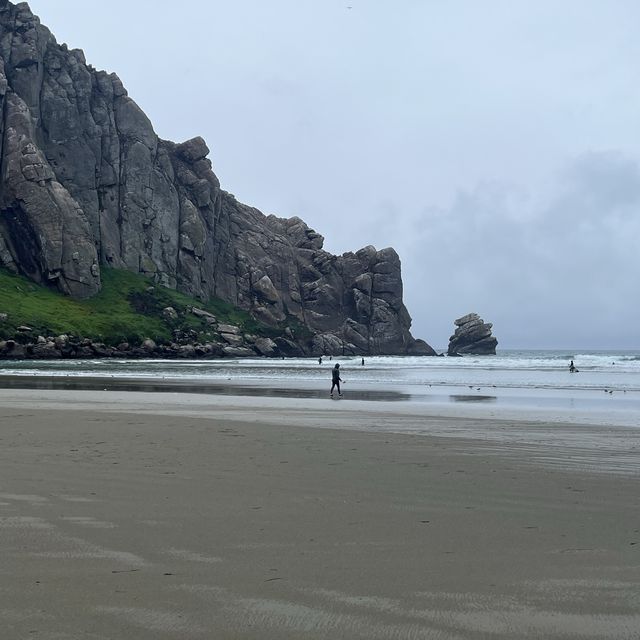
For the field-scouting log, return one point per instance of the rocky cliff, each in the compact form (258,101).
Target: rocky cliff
(472,336)
(86,182)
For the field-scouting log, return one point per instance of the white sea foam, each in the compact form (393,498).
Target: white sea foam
(614,370)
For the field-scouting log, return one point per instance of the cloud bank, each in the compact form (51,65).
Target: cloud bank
(554,269)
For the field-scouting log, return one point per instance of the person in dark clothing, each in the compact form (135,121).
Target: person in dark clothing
(320,360)
(572,367)
(335,380)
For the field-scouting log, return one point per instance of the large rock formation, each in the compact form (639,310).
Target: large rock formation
(472,335)
(86,182)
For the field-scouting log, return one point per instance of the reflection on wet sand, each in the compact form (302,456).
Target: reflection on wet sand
(302,389)
(466,398)
(187,386)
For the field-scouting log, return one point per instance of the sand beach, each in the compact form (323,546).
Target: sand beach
(131,514)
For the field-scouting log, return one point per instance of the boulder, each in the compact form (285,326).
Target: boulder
(229,329)
(421,348)
(472,336)
(264,288)
(148,345)
(288,348)
(265,347)
(326,344)
(100,350)
(186,351)
(169,313)
(45,350)
(61,340)
(192,150)
(13,350)
(232,339)
(201,313)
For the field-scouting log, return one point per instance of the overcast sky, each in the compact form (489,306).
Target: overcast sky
(495,145)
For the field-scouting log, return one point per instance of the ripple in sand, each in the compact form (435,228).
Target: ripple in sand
(33,499)
(152,619)
(193,556)
(87,521)
(24,522)
(68,498)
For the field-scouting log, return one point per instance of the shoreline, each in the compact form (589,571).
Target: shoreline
(575,406)
(187,516)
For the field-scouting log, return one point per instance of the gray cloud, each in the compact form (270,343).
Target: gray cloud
(560,269)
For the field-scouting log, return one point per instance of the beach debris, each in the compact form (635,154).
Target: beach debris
(124,570)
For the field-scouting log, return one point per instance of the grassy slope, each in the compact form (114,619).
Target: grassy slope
(129,308)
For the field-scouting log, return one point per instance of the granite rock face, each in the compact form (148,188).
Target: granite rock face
(472,336)
(86,182)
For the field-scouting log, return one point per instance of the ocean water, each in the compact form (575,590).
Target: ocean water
(617,371)
(605,379)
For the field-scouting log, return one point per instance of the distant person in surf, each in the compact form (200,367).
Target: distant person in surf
(335,380)
(363,362)
(572,368)
(320,360)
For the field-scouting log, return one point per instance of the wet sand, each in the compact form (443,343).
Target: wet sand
(548,405)
(179,516)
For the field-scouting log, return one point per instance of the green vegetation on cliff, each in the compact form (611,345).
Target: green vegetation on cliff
(127,309)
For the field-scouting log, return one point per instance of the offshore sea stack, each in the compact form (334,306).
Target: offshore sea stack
(472,336)
(86,182)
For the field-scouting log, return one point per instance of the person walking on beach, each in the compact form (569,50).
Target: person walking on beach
(572,367)
(335,380)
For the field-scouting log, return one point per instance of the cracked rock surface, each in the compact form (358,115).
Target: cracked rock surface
(86,182)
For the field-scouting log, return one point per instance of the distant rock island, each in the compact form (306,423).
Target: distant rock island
(472,336)
(86,183)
